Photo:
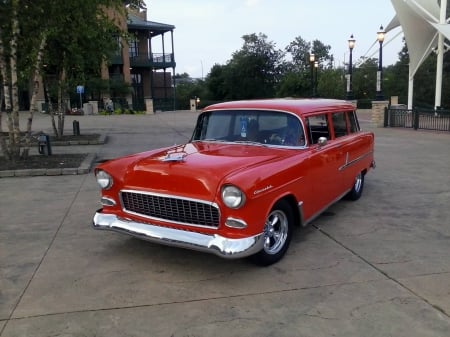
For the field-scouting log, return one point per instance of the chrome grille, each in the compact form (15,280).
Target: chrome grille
(184,211)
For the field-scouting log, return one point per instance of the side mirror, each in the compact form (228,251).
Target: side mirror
(322,141)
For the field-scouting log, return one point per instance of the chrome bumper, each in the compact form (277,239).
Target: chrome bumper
(215,244)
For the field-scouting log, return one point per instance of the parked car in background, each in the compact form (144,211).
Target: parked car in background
(252,172)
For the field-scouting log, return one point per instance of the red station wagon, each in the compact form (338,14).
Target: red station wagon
(251,173)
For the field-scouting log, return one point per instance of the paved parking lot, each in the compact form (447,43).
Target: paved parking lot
(376,267)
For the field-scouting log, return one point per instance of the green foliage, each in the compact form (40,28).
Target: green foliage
(294,84)
(216,82)
(252,72)
(300,50)
(258,70)
(364,78)
(188,89)
(331,83)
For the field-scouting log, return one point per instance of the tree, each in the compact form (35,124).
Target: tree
(252,72)
(215,82)
(294,84)
(300,51)
(297,80)
(187,89)
(331,83)
(35,38)
(364,78)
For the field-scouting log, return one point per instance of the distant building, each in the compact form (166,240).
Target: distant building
(146,62)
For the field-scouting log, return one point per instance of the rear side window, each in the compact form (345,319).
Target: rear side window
(339,124)
(317,127)
(344,123)
(354,125)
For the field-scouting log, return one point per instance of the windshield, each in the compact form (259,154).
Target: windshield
(254,126)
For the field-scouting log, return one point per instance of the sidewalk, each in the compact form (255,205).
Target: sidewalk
(376,267)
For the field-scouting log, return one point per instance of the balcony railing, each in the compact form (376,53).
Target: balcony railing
(155,60)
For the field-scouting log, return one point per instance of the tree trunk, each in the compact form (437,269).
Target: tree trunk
(61,108)
(33,103)
(52,115)
(5,76)
(13,122)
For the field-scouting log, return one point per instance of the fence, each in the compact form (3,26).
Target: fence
(438,120)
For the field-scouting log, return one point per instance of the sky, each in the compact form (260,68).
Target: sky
(208,32)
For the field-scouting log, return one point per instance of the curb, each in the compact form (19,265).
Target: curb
(100,141)
(84,168)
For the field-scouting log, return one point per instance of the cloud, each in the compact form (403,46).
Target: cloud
(252,3)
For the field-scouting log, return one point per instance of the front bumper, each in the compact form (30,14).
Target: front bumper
(215,244)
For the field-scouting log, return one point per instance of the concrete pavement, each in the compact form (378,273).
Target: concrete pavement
(376,267)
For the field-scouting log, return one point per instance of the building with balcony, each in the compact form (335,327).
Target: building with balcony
(139,74)
(146,62)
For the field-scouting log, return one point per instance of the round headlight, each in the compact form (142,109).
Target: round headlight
(104,180)
(232,196)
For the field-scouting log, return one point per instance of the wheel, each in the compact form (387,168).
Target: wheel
(277,234)
(357,189)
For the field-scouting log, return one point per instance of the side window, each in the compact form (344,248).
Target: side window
(354,126)
(339,124)
(317,127)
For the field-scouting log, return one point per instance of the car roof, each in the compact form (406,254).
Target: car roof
(298,106)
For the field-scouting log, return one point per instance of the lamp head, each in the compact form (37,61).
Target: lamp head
(380,34)
(312,57)
(351,42)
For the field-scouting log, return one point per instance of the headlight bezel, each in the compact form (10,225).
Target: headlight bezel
(232,196)
(104,179)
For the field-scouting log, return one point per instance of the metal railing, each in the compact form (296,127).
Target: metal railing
(163,104)
(154,60)
(438,120)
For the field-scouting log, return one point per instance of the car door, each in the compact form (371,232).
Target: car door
(325,162)
(354,148)
(342,136)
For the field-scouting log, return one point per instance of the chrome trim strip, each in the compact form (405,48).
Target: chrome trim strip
(350,163)
(214,244)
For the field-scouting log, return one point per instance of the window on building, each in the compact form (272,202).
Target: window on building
(136,78)
(133,49)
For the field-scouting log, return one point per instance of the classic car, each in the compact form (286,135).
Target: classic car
(250,174)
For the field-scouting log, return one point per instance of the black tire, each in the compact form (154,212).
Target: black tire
(278,233)
(357,188)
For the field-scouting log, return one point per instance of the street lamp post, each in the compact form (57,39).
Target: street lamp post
(380,37)
(312,59)
(351,45)
(316,68)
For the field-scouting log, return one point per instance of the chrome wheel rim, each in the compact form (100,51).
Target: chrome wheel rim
(275,232)
(358,182)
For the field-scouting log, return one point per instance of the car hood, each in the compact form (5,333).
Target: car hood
(195,169)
